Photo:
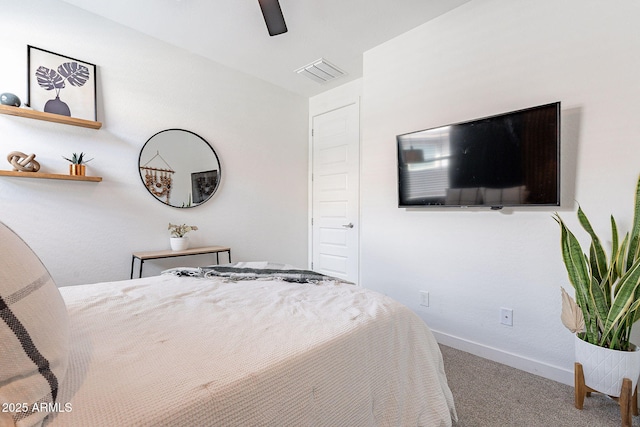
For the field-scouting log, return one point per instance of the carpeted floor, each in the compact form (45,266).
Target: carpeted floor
(489,394)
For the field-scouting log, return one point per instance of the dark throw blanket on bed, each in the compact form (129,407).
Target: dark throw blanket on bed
(245,273)
(235,273)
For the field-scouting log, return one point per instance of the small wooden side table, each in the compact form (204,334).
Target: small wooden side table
(143,256)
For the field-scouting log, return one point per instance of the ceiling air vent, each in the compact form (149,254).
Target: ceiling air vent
(320,71)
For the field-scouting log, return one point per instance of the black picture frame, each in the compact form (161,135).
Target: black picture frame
(60,84)
(203,185)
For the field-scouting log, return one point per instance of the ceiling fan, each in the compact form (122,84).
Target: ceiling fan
(273,17)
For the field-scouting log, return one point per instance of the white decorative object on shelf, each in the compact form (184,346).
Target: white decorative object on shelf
(22,162)
(179,243)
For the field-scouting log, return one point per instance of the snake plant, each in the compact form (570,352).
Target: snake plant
(607,288)
(77,159)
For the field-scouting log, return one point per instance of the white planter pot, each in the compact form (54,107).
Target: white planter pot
(179,243)
(604,369)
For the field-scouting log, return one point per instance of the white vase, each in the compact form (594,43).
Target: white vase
(604,369)
(179,243)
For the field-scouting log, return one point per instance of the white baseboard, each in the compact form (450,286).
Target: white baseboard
(535,367)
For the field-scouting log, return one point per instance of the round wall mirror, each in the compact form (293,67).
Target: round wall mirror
(179,168)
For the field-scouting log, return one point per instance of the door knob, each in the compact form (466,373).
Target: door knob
(350,225)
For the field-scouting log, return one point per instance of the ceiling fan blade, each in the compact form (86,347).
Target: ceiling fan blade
(273,17)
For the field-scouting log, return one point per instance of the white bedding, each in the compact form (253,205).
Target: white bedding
(188,351)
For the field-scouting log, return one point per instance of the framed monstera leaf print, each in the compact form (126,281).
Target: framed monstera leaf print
(62,85)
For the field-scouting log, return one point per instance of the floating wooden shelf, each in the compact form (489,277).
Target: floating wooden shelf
(39,175)
(48,117)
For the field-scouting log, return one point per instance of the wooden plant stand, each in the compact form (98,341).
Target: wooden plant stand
(628,399)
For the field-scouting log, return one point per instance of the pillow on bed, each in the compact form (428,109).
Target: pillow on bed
(34,334)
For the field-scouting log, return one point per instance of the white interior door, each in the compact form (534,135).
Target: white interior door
(335,175)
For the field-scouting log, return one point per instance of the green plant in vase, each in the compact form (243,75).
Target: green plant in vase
(78,162)
(607,288)
(179,240)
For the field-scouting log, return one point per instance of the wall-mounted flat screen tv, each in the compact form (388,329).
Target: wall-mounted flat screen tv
(510,159)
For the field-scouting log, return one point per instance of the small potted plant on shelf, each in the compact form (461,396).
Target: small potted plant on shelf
(78,162)
(606,305)
(179,240)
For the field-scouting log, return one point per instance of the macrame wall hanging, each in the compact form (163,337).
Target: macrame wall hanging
(158,180)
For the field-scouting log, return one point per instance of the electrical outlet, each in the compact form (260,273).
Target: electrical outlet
(506,316)
(424,298)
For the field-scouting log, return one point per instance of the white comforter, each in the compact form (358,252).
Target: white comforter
(184,351)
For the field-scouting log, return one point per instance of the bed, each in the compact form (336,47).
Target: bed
(220,350)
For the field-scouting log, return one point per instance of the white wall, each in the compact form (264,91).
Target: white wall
(85,232)
(483,58)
